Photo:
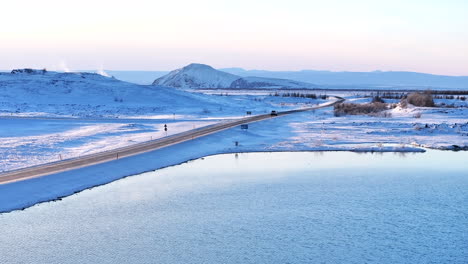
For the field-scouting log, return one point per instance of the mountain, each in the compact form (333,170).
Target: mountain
(375,79)
(198,76)
(40,92)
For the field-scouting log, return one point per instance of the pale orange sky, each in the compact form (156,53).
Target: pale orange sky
(362,35)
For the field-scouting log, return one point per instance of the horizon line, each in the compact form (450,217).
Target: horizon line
(240,68)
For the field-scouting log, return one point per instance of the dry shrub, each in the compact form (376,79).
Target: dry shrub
(403,103)
(377,99)
(359,109)
(420,99)
(384,114)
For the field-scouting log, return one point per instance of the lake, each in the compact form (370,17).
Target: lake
(305,207)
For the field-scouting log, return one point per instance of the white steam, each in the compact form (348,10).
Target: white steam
(101,71)
(63,67)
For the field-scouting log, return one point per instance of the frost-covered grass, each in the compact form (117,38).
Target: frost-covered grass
(29,142)
(426,127)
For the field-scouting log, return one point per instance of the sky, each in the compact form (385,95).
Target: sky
(340,35)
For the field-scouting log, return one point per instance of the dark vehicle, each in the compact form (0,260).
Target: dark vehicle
(274,113)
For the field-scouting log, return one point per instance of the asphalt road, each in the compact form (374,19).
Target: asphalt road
(101,157)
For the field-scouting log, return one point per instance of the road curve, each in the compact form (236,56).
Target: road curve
(101,157)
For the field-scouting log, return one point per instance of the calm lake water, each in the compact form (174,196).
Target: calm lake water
(332,207)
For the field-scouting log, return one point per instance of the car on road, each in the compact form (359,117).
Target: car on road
(274,113)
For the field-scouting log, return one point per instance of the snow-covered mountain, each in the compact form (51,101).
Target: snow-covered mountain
(198,76)
(40,92)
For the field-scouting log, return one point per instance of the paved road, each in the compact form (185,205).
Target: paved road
(101,157)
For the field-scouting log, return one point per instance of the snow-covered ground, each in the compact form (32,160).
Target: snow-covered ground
(88,95)
(26,142)
(29,142)
(307,131)
(435,128)
(32,141)
(48,116)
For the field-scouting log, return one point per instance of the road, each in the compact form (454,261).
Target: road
(101,157)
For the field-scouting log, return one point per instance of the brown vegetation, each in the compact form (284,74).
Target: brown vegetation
(377,99)
(301,95)
(420,99)
(360,109)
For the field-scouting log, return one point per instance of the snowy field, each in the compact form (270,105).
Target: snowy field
(86,95)
(420,127)
(32,141)
(48,116)
(28,142)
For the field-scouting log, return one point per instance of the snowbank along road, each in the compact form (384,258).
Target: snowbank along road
(88,160)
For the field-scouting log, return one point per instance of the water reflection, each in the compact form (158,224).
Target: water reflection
(331,207)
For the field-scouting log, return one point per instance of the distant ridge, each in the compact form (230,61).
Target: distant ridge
(374,79)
